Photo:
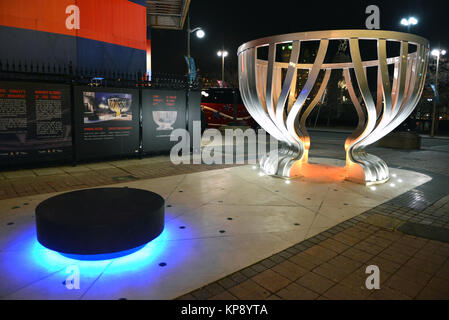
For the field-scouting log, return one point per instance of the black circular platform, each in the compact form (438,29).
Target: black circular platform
(100,221)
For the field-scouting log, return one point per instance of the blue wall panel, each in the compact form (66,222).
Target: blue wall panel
(22,45)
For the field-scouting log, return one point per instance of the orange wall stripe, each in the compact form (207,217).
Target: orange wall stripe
(118,22)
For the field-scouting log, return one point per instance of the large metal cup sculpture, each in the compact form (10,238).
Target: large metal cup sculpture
(269,91)
(119,106)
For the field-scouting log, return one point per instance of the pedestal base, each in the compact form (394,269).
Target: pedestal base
(100,221)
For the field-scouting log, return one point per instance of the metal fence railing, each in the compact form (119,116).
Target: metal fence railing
(26,71)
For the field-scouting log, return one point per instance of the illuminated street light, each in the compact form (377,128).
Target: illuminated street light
(437,53)
(223,54)
(200,34)
(412,21)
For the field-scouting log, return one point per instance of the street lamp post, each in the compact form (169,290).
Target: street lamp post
(199,33)
(412,21)
(436,53)
(223,54)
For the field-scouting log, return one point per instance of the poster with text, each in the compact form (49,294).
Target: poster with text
(35,123)
(107,122)
(163,111)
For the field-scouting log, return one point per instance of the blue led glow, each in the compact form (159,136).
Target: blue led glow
(25,255)
(27,266)
(145,256)
(99,257)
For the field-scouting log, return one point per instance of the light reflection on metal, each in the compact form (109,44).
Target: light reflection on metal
(282,109)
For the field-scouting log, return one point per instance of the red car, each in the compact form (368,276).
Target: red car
(224,107)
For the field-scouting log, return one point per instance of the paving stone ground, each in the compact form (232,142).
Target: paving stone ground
(331,265)
(21,183)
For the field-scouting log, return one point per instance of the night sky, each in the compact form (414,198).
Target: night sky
(230,23)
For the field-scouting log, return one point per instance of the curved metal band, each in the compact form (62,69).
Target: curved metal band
(335,35)
(271,100)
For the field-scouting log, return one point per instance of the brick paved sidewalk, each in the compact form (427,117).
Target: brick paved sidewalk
(65,178)
(329,266)
(332,265)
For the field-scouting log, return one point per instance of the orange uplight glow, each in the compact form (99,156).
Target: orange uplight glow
(326,173)
(319,172)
